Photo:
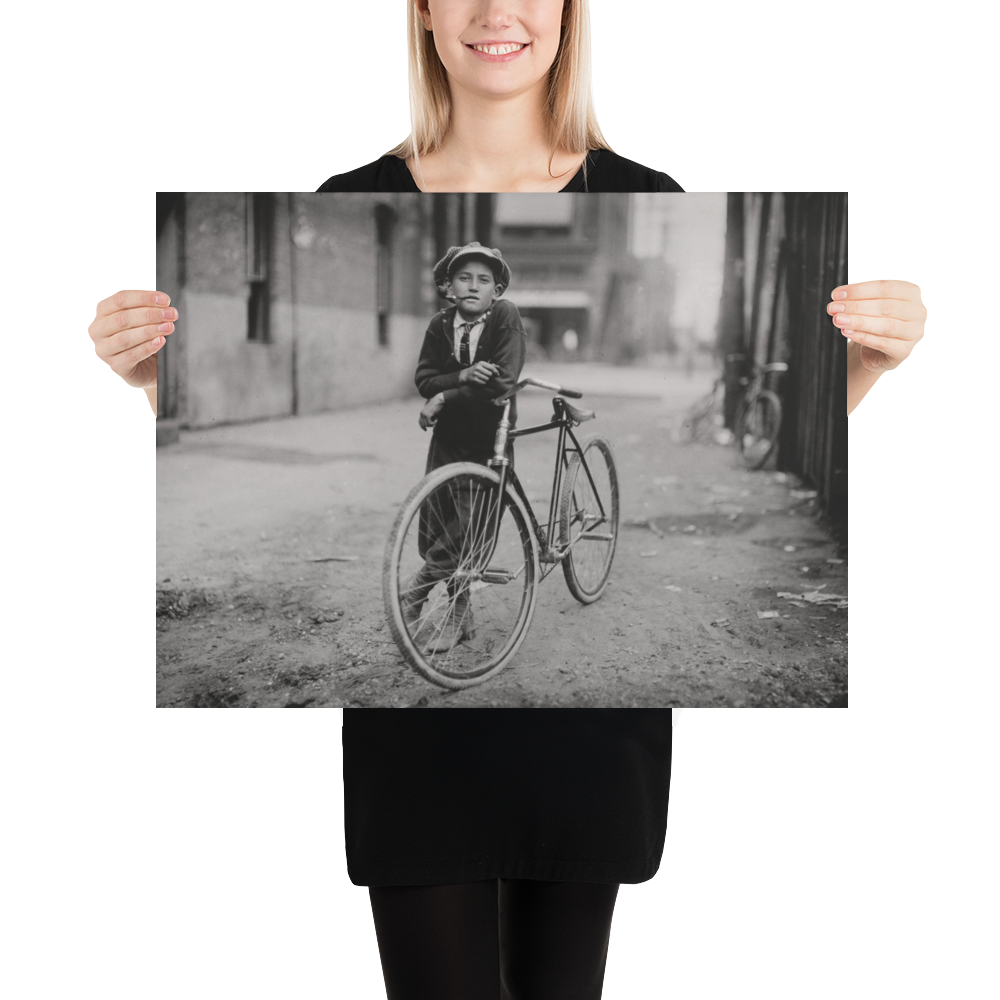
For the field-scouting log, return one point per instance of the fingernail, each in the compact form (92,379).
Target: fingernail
(165,327)
(167,313)
(842,320)
(840,293)
(161,300)
(836,307)
(158,342)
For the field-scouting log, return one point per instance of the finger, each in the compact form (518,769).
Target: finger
(136,319)
(904,309)
(130,300)
(880,326)
(123,363)
(894,350)
(120,343)
(877,290)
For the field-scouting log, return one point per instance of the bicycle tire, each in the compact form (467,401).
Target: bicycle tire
(758,429)
(587,566)
(502,619)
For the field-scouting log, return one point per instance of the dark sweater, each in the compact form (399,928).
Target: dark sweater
(469,419)
(457,794)
(605,171)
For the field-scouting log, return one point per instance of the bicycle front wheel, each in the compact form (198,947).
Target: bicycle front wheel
(459,575)
(588,519)
(759,427)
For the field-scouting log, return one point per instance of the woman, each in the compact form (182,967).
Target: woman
(500,101)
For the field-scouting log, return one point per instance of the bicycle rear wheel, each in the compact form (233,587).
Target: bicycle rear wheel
(588,519)
(758,429)
(458,606)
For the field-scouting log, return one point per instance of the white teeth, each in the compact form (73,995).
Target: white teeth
(498,50)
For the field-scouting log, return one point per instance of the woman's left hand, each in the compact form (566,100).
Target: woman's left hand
(884,318)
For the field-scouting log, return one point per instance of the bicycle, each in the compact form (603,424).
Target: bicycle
(707,413)
(466,552)
(758,419)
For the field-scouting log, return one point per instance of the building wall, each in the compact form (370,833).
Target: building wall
(324,350)
(785,253)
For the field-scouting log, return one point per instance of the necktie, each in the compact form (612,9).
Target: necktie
(463,347)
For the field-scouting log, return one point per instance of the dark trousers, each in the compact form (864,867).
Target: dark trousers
(512,939)
(444,523)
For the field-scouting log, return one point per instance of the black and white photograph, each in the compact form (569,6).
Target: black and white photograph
(501,450)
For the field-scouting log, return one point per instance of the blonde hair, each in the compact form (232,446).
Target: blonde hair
(573,124)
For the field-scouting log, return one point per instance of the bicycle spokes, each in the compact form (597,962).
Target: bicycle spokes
(477,551)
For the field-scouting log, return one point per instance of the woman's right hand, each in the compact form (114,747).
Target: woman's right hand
(128,330)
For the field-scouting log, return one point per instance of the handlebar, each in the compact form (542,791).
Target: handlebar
(774,366)
(551,386)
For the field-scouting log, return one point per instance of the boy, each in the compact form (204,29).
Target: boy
(472,352)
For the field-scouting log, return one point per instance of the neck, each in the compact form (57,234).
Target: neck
(497,144)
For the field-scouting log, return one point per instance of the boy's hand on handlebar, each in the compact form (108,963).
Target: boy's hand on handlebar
(429,414)
(885,319)
(480,373)
(128,330)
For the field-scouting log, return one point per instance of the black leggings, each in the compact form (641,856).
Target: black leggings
(512,939)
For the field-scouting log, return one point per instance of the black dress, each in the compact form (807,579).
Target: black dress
(455,795)
(606,171)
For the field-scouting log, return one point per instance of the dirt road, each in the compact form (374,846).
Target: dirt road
(247,617)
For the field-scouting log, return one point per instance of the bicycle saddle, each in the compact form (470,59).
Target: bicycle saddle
(576,415)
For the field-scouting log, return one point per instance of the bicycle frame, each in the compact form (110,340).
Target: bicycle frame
(549,552)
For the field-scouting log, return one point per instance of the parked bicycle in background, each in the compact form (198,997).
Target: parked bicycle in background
(757,421)
(758,415)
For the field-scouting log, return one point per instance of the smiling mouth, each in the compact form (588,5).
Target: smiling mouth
(501,49)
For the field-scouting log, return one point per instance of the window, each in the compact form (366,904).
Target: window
(526,214)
